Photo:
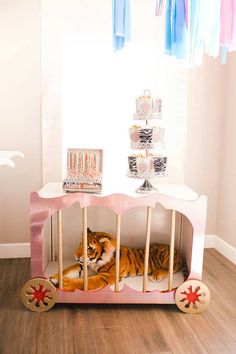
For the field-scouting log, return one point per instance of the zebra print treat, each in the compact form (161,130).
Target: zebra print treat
(159,164)
(145,135)
(151,166)
(132,164)
(149,137)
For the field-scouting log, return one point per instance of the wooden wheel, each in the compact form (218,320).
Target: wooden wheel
(192,296)
(38,295)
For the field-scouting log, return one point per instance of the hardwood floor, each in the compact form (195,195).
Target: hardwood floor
(123,329)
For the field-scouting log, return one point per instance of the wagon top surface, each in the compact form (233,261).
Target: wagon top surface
(178,191)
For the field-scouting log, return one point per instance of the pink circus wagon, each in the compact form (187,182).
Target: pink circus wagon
(186,215)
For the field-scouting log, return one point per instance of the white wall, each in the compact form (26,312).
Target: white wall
(226,217)
(20,113)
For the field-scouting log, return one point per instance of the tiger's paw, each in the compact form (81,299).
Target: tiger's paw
(157,276)
(153,279)
(71,284)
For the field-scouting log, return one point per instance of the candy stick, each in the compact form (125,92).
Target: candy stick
(83,161)
(77,164)
(80,161)
(74,162)
(93,163)
(98,160)
(91,156)
(88,161)
(70,160)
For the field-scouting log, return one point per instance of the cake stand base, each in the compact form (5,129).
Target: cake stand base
(146,187)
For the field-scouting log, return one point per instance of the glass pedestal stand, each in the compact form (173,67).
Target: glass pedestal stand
(146,187)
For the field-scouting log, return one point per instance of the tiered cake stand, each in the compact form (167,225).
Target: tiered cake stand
(148,137)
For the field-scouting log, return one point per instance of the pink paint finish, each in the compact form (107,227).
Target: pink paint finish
(108,296)
(42,208)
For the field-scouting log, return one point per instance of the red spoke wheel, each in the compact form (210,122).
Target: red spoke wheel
(38,295)
(192,296)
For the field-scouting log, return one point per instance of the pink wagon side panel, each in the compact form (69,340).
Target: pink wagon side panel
(106,296)
(41,208)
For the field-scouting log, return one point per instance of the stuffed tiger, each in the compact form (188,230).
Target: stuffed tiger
(101,260)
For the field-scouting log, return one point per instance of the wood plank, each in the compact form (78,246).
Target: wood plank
(180,338)
(112,340)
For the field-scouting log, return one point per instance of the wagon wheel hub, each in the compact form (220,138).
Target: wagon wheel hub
(38,295)
(192,296)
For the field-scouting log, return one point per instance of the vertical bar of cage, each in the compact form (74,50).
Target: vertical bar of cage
(172,249)
(118,225)
(147,246)
(59,241)
(181,234)
(179,227)
(85,246)
(52,241)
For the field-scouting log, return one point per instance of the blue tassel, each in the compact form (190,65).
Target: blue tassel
(121,23)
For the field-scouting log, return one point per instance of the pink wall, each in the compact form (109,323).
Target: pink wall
(226,217)
(20,114)
(204,133)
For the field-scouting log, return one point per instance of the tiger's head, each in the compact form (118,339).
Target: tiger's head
(100,249)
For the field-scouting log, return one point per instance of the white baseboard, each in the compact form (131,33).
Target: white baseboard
(223,247)
(14,250)
(22,250)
